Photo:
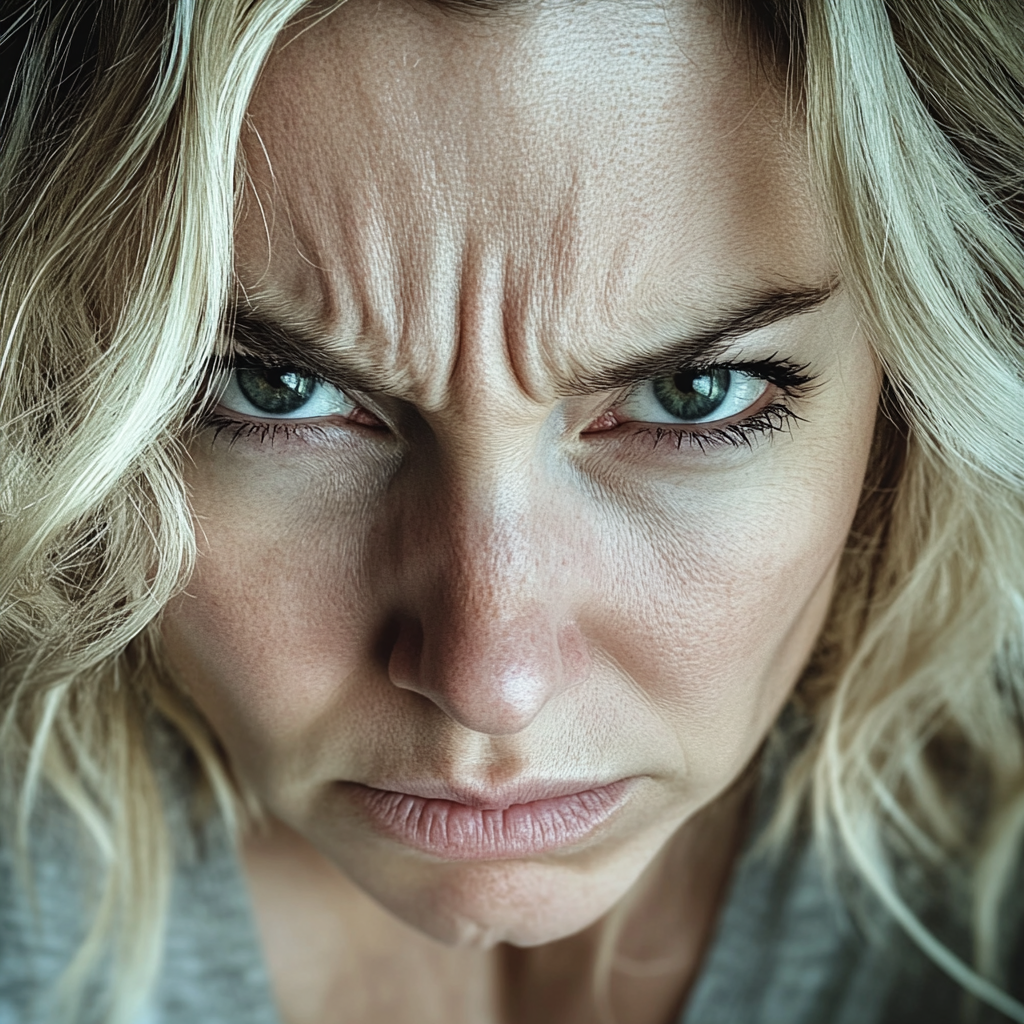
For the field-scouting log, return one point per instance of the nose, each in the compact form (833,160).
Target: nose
(491,636)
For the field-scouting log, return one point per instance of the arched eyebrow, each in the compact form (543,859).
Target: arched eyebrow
(705,345)
(262,338)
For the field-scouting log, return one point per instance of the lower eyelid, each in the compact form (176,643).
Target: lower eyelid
(770,411)
(769,415)
(762,425)
(234,429)
(238,426)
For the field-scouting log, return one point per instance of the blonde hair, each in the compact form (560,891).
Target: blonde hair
(119,190)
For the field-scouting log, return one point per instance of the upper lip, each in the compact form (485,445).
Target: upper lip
(492,798)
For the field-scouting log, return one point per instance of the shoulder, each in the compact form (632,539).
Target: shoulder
(800,941)
(211,967)
(43,894)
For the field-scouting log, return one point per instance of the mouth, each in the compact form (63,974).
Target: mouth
(531,819)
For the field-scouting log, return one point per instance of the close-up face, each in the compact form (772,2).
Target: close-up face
(521,509)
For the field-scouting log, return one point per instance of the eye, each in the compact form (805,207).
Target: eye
(693,396)
(275,392)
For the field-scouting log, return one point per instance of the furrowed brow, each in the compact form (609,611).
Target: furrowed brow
(707,344)
(262,338)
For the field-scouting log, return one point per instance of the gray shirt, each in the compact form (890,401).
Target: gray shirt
(786,950)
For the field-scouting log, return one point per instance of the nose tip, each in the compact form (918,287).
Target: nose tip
(495,678)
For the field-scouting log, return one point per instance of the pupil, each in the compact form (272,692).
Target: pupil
(275,390)
(692,395)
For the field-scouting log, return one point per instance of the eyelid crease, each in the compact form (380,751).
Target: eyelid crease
(239,358)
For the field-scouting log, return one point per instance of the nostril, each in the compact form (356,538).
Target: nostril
(384,642)
(401,648)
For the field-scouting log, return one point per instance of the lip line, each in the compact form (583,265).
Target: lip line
(456,831)
(521,793)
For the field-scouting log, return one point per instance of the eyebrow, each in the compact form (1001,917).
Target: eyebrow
(263,339)
(709,342)
(267,341)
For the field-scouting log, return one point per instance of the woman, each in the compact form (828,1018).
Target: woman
(512,512)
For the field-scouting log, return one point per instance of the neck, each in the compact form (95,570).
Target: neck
(326,941)
(637,963)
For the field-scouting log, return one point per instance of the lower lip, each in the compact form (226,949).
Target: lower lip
(456,831)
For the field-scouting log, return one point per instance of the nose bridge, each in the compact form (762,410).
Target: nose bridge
(492,545)
(492,635)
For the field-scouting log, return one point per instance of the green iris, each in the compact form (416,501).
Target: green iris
(275,390)
(692,394)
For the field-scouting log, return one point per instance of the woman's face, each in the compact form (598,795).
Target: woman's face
(496,605)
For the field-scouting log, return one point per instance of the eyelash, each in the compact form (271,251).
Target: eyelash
(792,380)
(260,430)
(771,419)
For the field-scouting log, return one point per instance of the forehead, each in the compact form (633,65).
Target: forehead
(599,171)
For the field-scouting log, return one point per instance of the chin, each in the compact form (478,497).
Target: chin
(478,905)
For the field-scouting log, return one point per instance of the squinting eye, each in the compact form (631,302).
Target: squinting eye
(694,396)
(281,393)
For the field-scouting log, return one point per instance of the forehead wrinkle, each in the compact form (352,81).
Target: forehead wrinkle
(491,269)
(543,262)
(436,198)
(482,359)
(401,275)
(572,297)
(384,267)
(424,215)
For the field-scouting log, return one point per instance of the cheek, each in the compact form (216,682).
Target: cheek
(714,618)
(275,615)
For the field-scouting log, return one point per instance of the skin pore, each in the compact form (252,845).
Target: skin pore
(476,563)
